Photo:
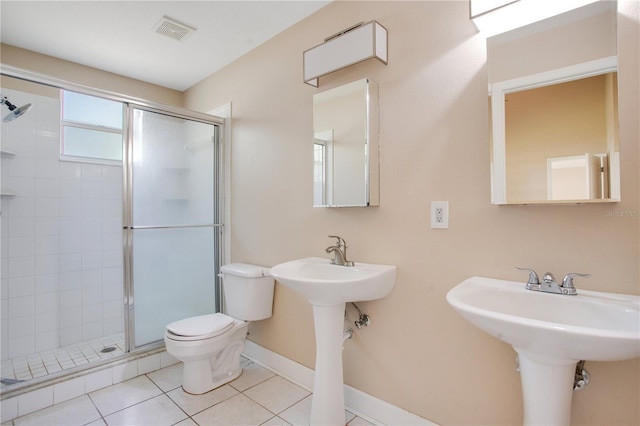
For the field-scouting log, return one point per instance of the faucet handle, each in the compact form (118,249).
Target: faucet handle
(341,242)
(567,281)
(533,277)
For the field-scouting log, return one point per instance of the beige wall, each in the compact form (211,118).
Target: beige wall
(72,72)
(573,43)
(418,353)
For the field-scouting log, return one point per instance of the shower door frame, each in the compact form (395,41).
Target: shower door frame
(129,103)
(127,206)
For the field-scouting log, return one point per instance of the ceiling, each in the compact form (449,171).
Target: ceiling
(118,36)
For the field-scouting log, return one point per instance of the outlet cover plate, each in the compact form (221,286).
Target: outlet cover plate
(440,214)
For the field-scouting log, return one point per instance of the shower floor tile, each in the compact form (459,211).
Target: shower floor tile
(52,361)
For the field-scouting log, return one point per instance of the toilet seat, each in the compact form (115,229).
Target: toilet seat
(200,327)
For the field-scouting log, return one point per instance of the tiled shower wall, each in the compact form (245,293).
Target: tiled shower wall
(61,238)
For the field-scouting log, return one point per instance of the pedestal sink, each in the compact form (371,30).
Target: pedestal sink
(328,288)
(551,333)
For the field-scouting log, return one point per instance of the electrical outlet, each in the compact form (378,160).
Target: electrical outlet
(440,214)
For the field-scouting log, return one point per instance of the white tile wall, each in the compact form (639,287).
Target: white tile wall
(65,391)
(36,400)
(61,238)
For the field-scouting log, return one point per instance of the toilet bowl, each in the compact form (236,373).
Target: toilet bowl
(210,360)
(210,345)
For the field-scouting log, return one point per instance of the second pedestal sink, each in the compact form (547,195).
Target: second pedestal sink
(551,333)
(328,288)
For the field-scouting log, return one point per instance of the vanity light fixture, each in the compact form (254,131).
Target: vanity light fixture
(493,17)
(348,47)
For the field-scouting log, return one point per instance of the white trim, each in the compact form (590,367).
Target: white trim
(363,405)
(90,160)
(556,76)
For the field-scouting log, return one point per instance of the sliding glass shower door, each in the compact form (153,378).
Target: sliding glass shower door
(172,230)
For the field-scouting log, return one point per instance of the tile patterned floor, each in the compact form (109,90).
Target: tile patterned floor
(51,361)
(257,397)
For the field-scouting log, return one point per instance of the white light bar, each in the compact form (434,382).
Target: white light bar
(353,45)
(520,13)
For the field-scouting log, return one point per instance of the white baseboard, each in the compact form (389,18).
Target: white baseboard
(368,407)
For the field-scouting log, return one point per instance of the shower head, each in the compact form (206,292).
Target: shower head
(15,112)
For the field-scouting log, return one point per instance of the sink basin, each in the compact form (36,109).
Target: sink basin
(328,288)
(325,284)
(592,326)
(551,333)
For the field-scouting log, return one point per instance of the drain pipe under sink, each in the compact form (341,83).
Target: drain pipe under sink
(348,334)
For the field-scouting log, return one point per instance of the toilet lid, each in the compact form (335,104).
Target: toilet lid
(203,325)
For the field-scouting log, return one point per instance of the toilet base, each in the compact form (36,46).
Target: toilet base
(203,373)
(195,383)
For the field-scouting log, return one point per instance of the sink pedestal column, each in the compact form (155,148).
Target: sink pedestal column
(327,406)
(547,388)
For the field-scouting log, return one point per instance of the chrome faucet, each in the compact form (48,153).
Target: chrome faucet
(549,284)
(339,251)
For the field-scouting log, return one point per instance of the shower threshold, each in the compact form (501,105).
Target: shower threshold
(40,364)
(10,382)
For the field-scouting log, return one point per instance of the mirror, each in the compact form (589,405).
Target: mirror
(345,146)
(554,118)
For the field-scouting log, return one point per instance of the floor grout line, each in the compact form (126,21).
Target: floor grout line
(188,417)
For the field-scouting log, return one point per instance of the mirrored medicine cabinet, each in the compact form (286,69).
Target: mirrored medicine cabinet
(345,146)
(554,110)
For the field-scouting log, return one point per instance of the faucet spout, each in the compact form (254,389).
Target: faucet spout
(338,255)
(339,251)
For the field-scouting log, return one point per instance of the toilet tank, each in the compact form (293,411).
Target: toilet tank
(248,291)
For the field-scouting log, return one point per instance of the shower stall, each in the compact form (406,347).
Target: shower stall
(101,251)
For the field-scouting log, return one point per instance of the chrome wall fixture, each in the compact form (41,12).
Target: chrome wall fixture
(363,319)
(15,112)
(348,47)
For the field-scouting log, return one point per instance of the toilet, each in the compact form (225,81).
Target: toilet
(210,345)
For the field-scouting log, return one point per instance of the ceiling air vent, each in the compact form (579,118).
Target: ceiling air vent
(170,28)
